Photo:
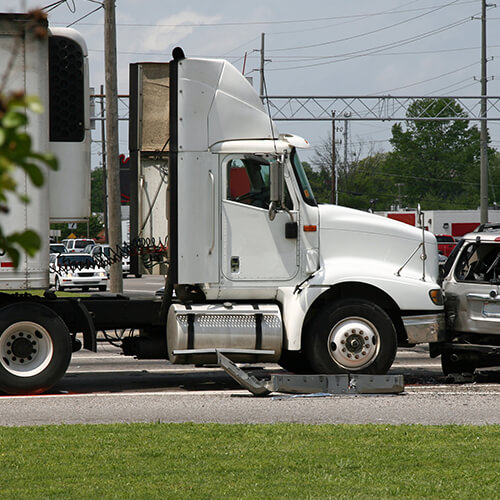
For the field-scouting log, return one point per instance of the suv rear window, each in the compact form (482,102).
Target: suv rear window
(83,243)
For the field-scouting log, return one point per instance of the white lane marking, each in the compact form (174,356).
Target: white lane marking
(236,392)
(115,394)
(83,370)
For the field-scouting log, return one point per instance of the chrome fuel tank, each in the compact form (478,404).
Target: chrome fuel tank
(244,332)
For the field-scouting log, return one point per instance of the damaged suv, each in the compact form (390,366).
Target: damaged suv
(471,285)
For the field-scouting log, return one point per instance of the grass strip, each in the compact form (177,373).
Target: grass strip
(213,461)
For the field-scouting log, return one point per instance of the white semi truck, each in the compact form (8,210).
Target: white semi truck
(257,269)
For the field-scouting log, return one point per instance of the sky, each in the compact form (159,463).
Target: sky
(318,47)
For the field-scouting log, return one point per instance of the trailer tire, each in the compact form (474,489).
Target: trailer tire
(351,336)
(35,348)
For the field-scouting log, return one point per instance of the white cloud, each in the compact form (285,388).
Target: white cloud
(169,31)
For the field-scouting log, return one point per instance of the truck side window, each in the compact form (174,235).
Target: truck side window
(248,182)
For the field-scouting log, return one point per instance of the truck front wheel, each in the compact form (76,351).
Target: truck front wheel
(35,348)
(351,336)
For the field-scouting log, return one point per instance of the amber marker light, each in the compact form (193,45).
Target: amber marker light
(310,229)
(436,296)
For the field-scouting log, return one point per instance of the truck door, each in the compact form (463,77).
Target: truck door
(254,248)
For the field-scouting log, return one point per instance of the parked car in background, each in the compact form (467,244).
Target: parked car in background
(57,248)
(104,250)
(446,244)
(77,244)
(76,270)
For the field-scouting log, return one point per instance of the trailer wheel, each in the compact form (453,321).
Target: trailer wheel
(351,336)
(35,348)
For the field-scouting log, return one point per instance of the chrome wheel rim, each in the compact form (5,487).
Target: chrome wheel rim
(354,343)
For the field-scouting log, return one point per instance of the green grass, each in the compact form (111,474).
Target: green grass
(179,461)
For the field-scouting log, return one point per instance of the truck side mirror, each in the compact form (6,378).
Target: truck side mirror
(276,187)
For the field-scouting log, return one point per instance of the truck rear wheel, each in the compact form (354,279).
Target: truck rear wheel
(35,348)
(351,336)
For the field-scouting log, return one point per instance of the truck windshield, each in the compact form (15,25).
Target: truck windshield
(302,179)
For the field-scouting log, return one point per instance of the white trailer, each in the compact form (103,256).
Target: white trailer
(54,69)
(257,269)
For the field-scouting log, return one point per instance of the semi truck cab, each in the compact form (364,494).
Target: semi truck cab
(345,287)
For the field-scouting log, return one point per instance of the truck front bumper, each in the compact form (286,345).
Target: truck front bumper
(425,328)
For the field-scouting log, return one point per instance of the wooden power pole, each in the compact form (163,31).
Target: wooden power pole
(483,198)
(112,154)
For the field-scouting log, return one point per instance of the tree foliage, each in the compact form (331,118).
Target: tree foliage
(97,190)
(434,163)
(436,160)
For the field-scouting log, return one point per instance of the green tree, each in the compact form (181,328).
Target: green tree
(437,161)
(320,180)
(362,183)
(97,190)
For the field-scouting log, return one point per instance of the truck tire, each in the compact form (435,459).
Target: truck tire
(295,362)
(35,348)
(351,336)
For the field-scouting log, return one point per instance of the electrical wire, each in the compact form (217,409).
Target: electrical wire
(52,6)
(353,37)
(85,16)
(363,53)
(429,79)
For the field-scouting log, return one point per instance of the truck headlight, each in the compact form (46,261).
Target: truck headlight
(436,296)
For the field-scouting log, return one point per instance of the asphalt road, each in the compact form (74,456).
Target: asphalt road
(106,387)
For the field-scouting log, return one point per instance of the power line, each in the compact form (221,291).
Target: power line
(85,16)
(363,53)
(428,79)
(378,30)
(276,22)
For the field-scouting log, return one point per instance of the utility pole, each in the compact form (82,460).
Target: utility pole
(104,174)
(484,124)
(262,61)
(346,140)
(334,197)
(114,208)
